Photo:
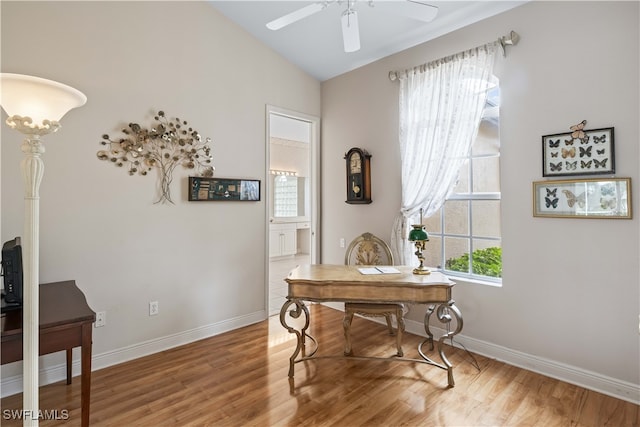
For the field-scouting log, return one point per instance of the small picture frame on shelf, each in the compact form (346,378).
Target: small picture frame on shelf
(591,152)
(223,189)
(583,198)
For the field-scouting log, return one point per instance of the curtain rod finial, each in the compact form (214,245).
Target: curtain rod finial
(511,40)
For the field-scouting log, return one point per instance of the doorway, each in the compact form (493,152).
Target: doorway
(292,191)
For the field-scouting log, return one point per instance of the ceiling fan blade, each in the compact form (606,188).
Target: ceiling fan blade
(414,9)
(294,16)
(350,31)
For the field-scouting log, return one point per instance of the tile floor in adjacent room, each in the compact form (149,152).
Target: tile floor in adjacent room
(279,268)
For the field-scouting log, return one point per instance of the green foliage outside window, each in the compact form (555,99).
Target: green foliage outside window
(486,262)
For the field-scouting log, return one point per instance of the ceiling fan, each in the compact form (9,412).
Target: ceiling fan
(413,9)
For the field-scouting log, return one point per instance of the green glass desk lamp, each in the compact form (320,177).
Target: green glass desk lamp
(420,237)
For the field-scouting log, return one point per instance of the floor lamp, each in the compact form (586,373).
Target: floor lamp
(34,106)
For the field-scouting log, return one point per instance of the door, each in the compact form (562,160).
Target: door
(291,191)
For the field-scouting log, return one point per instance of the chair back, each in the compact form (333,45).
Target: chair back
(368,249)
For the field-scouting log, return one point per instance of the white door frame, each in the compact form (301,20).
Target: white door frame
(314,213)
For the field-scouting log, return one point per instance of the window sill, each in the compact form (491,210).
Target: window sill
(471,280)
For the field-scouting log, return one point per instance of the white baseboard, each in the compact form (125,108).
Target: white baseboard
(12,385)
(590,380)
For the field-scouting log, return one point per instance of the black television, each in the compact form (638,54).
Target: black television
(12,273)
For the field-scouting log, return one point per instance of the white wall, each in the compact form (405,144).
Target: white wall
(570,298)
(204,262)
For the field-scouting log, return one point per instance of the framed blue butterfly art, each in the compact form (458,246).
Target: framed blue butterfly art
(578,152)
(583,198)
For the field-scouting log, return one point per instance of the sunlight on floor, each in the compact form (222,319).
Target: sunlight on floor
(278,271)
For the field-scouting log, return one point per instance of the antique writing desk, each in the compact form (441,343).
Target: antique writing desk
(324,283)
(65,323)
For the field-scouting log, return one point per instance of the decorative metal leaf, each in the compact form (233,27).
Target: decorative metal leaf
(161,147)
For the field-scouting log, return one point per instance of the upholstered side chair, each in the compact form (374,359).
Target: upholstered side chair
(368,249)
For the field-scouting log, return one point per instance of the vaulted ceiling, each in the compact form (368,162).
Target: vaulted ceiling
(315,42)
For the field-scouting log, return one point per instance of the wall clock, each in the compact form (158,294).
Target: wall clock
(358,176)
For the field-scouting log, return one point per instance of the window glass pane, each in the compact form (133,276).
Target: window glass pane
(432,253)
(456,252)
(486,175)
(488,140)
(432,224)
(462,186)
(285,196)
(485,218)
(486,243)
(456,217)
(487,258)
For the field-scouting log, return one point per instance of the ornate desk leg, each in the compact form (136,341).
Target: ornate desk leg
(346,325)
(400,319)
(295,313)
(443,312)
(427,315)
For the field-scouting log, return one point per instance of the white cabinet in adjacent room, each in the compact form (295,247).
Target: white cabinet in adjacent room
(282,239)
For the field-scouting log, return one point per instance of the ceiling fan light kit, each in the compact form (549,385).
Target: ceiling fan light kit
(414,9)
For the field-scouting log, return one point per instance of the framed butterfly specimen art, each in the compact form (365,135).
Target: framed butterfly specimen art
(583,198)
(579,152)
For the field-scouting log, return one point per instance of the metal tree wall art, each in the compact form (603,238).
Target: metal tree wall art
(167,144)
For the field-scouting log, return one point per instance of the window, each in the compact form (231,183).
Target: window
(464,235)
(285,196)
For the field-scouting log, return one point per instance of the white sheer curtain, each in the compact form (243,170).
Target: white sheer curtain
(441,106)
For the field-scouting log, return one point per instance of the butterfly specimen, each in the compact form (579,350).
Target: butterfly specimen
(551,202)
(571,166)
(556,167)
(552,193)
(553,144)
(571,152)
(585,151)
(568,142)
(578,133)
(599,139)
(607,203)
(599,164)
(586,165)
(554,154)
(607,190)
(585,139)
(572,199)
(600,151)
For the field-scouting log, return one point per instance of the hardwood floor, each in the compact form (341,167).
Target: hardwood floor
(240,379)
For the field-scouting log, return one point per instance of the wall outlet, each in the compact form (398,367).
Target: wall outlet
(153,308)
(101,319)
(342,242)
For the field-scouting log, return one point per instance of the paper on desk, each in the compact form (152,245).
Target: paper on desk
(378,270)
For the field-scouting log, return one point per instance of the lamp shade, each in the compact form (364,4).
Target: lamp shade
(418,233)
(37,98)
